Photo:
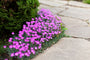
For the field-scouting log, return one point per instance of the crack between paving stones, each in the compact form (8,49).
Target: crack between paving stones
(78,6)
(66,5)
(51,6)
(88,39)
(74,18)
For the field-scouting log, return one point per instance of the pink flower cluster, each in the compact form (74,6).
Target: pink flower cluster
(36,32)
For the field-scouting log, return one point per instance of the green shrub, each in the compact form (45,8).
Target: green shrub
(14,13)
(2,50)
(86,1)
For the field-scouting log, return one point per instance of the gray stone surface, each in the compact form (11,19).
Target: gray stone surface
(76,27)
(83,32)
(51,3)
(73,22)
(55,10)
(67,49)
(81,13)
(79,4)
(63,2)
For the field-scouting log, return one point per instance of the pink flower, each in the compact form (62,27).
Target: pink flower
(37,42)
(12,54)
(16,38)
(32,40)
(10,46)
(24,26)
(28,23)
(5,59)
(16,54)
(33,51)
(17,47)
(4,46)
(39,47)
(28,51)
(26,40)
(27,54)
(10,40)
(12,33)
(32,18)
(35,48)
(20,42)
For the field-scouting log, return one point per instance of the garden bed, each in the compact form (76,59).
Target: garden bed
(36,35)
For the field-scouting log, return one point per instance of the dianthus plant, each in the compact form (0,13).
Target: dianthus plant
(33,34)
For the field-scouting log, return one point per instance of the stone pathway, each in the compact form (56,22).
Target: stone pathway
(76,17)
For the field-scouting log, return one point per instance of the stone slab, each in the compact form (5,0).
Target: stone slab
(63,2)
(54,10)
(79,4)
(73,22)
(51,3)
(81,13)
(67,49)
(82,32)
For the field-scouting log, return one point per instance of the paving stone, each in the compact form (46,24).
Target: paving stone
(83,32)
(79,4)
(54,10)
(67,49)
(61,2)
(51,3)
(81,13)
(73,22)
(73,3)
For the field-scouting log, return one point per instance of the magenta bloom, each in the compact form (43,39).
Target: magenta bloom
(4,46)
(16,54)
(35,48)
(5,59)
(33,51)
(12,33)
(10,46)
(12,54)
(27,54)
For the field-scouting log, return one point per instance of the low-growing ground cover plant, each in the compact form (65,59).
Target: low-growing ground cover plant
(36,35)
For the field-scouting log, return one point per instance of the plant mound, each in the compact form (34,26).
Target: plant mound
(35,35)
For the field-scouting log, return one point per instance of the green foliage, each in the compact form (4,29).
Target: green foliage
(14,15)
(2,50)
(86,1)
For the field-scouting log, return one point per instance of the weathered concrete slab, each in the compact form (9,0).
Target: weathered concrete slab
(51,3)
(83,32)
(81,13)
(67,49)
(79,4)
(54,10)
(73,22)
(64,2)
